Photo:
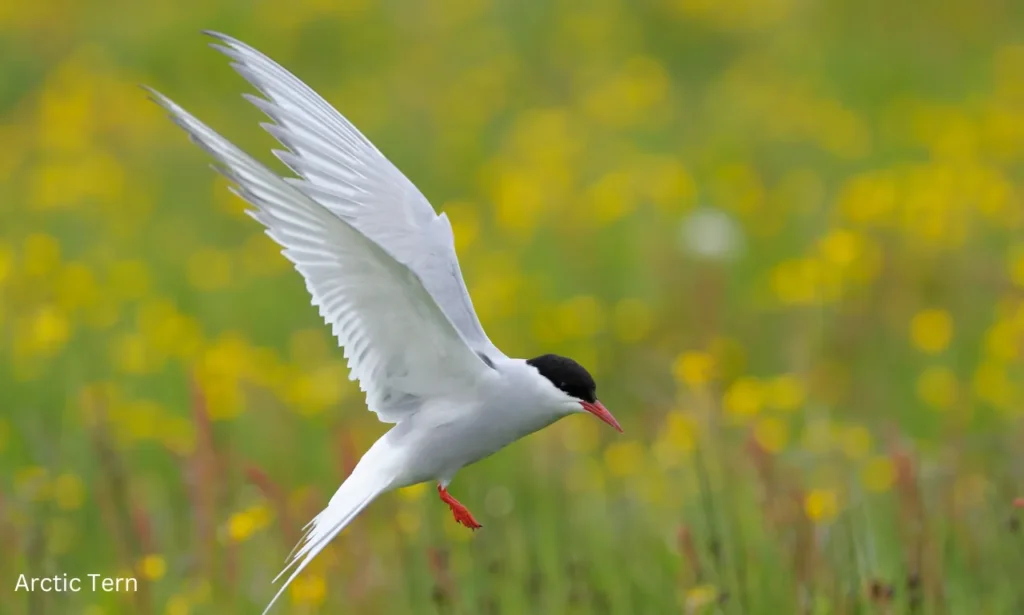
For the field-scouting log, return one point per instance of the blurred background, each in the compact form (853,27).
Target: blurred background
(785,237)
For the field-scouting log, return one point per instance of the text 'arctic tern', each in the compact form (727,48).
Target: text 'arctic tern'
(381,267)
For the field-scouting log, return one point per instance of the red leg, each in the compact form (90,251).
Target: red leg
(462,515)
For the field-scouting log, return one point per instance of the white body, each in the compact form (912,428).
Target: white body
(380,264)
(457,430)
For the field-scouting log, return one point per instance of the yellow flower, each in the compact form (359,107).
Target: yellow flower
(226,200)
(993,386)
(841,247)
(465,221)
(1002,341)
(622,98)
(744,397)
(694,368)
(241,525)
(772,434)
(413,492)
(868,199)
(68,492)
(699,597)
(798,282)
(821,505)
(6,262)
(785,392)
(931,330)
(223,398)
(519,196)
(139,418)
(310,589)
(261,515)
(878,474)
(50,330)
(153,567)
(178,605)
(937,387)
(1016,265)
(315,391)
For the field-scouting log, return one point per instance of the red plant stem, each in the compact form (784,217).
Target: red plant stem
(119,513)
(688,549)
(275,495)
(144,529)
(201,468)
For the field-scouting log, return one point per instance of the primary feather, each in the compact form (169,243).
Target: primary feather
(342,170)
(357,285)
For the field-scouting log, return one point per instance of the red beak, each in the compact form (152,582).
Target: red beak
(598,410)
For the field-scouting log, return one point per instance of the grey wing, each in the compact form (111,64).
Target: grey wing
(339,168)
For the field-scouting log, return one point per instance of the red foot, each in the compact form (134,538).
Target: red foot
(462,515)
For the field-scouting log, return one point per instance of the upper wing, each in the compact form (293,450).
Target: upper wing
(399,344)
(345,173)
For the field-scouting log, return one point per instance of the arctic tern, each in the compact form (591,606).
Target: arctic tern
(380,265)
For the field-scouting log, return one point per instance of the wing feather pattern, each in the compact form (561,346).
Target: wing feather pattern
(342,170)
(400,345)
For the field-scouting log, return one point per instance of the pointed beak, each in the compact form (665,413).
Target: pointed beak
(598,410)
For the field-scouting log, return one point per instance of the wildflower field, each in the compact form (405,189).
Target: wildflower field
(786,237)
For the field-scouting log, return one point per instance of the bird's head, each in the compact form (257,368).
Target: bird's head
(573,388)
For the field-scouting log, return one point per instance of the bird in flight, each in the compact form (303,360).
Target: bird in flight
(380,265)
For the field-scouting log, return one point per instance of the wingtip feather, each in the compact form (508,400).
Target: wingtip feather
(217,35)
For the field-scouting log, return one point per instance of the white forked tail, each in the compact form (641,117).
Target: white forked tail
(293,212)
(355,494)
(276,199)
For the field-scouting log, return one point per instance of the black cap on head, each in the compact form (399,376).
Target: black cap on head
(569,376)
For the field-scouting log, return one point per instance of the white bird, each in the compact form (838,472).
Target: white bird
(381,267)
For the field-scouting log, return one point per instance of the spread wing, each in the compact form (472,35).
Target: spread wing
(399,343)
(339,168)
